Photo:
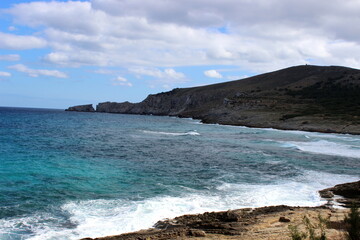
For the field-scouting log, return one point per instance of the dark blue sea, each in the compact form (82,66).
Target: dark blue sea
(69,175)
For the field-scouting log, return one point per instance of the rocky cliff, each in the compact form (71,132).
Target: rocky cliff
(310,98)
(82,108)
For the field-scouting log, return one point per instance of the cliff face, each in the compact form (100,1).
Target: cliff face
(82,108)
(305,97)
(175,103)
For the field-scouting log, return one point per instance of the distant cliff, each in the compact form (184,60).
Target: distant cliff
(82,108)
(310,98)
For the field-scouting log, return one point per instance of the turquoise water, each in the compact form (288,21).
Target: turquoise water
(66,175)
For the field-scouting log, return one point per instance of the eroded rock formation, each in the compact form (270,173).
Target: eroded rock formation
(82,108)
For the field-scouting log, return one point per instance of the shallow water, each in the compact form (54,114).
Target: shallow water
(67,175)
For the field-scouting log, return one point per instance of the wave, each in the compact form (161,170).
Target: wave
(96,218)
(333,136)
(190,133)
(325,147)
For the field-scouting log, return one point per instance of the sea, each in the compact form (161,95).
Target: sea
(71,175)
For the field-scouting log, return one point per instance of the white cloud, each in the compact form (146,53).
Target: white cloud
(10,57)
(166,78)
(153,72)
(191,32)
(171,73)
(104,71)
(5,74)
(168,73)
(19,42)
(121,81)
(213,74)
(38,72)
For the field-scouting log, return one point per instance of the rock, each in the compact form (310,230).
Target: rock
(284,219)
(197,233)
(82,108)
(256,224)
(113,107)
(349,191)
(326,194)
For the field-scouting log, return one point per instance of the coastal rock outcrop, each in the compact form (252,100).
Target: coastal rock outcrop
(82,108)
(114,107)
(248,223)
(349,192)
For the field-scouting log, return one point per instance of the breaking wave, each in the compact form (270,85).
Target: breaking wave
(96,218)
(326,147)
(190,133)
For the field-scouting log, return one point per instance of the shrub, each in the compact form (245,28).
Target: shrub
(352,221)
(312,229)
(295,234)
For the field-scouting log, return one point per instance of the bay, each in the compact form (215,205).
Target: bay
(68,175)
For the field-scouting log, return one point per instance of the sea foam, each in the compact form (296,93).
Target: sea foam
(95,218)
(190,133)
(325,147)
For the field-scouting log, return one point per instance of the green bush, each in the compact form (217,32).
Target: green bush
(311,228)
(352,221)
(295,234)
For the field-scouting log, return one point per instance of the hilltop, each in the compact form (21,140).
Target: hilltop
(306,97)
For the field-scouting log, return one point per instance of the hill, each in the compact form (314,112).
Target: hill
(310,98)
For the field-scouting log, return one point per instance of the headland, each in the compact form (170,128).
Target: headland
(308,98)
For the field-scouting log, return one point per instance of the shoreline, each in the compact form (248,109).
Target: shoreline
(200,120)
(284,128)
(268,222)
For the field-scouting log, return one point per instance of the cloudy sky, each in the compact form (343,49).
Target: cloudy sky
(59,53)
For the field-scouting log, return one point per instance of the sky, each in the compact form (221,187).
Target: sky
(56,54)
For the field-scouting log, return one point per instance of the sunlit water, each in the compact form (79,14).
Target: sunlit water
(66,175)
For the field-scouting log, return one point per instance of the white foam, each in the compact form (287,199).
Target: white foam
(37,224)
(96,218)
(301,191)
(190,133)
(326,148)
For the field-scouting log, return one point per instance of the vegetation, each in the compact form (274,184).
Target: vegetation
(295,234)
(316,231)
(352,224)
(312,230)
(333,96)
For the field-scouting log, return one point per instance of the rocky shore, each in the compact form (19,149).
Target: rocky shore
(309,98)
(250,223)
(345,195)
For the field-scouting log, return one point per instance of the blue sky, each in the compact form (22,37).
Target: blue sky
(55,54)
